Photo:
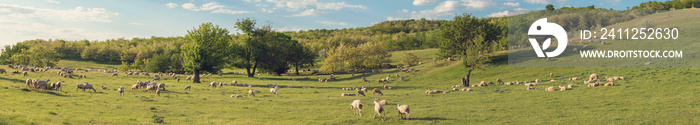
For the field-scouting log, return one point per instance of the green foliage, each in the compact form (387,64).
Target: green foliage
(9,51)
(648,24)
(409,59)
(39,56)
(205,49)
(368,55)
(549,7)
(159,63)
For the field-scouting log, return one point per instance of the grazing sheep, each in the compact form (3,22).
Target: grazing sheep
(570,86)
(465,89)
(29,83)
(135,86)
(530,88)
(383,102)
(591,84)
(360,92)
(403,109)
(221,84)
(609,84)
(551,88)
(157,92)
(573,79)
(551,75)
(537,81)
(429,92)
(161,86)
(562,88)
(236,96)
(274,91)
(58,86)
(378,109)
(114,74)
(593,77)
(348,94)
(375,91)
(212,84)
(356,107)
(499,80)
(3,71)
(24,73)
(121,90)
(85,86)
(251,92)
(156,78)
(103,87)
(187,88)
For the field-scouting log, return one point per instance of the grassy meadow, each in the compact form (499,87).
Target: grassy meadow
(647,95)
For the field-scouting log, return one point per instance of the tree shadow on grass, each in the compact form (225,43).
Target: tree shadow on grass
(429,118)
(13,80)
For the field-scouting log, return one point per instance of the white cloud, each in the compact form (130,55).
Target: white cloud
(53,1)
(544,1)
(394,18)
(286,28)
(16,31)
(332,23)
(252,1)
(478,4)
(171,5)
(227,11)
(77,14)
(213,7)
(509,12)
(205,7)
(511,4)
(136,23)
(295,5)
(309,12)
(424,2)
(404,10)
(269,10)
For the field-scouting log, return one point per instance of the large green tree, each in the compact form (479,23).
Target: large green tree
(39,56)
(205,49)
(471,39)
(251,46)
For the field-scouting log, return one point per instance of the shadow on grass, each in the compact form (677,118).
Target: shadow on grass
(429,118)
(13,80)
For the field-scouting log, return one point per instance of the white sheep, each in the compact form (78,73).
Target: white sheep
(356,107)
(157,92)
(187,87)
(593,77)
(383,102)
(236,96)
(161,86)
(212,84)
(135,86)
(551,88)
(251,92)
(378,109)
(121,90)
(348,94)
(274,91)
(403,109)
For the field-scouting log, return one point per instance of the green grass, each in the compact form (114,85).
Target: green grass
(648,95)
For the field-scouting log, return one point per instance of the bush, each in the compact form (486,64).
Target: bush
(409,59)
(648,24)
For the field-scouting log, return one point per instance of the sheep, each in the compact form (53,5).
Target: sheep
(570,86)
(121,90)
(251,92)
(234,82)
(551,75)
(221,84)
(157,92)
(85,86)
(212,84)
(562,88)
(24,73)
(161,86)
(499,80)
(573,79)
(593,77)
(188,78)
(156,78)
(551,88)
(377,91)
(274,91)
(403,109)
(320,80)
(378,109)
(348,94)
(429,92)
(187,88)
(135,86)
(103,87)
(401,78)
(178,79)
(236,96)
(29,83)
(356,107)
(383,102)
(2,70)
(360,92)
(58,86)
(530,88)
(609,84)
(591,85)
(115,74)
(537,81)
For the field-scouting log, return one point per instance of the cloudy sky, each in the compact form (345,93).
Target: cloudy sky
(109,19)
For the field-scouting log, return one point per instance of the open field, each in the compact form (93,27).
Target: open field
(646,96)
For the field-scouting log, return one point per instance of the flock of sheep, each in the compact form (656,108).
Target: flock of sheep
(357,105)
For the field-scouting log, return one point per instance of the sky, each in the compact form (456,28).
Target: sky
(112,19)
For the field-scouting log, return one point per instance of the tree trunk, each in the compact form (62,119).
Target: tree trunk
(466,82)
(255,66)
(248,71)
(296,67)
(196,77)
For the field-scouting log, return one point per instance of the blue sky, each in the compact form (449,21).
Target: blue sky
(110,19)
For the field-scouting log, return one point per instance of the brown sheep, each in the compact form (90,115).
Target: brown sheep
(187,87)
(360,92)
(375,91)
